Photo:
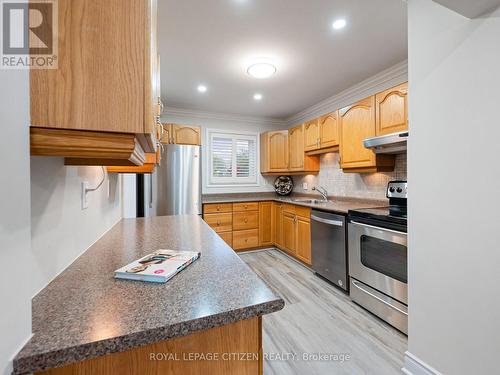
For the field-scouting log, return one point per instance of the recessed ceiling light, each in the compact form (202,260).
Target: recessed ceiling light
(257,97)
(261,69)
(339,24)
(202,88)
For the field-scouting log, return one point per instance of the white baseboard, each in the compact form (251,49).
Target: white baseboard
(415,366)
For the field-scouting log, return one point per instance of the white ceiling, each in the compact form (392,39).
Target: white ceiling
(209,41)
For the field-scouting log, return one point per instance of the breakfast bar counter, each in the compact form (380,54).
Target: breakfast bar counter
(87,322)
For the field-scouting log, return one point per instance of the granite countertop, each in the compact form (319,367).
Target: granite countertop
(335,204)
(85,313)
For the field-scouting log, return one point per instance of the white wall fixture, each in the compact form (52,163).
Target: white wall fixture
(257,97)
(202,88)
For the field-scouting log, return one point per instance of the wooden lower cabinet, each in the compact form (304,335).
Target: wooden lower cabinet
(256,225)
(220,222)
(227,237)
(244,336)
(303,240)
(289,232)
(245,239)
(266,224)
(277,227)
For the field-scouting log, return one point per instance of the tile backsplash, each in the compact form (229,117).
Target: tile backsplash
(360,185)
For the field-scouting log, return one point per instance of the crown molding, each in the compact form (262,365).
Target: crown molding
(386,79)
(192,113)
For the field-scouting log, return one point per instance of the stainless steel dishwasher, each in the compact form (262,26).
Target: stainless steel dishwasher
(329,248)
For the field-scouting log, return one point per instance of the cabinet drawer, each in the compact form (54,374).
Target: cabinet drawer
(227,237)
(245,220)
(213,208)
(245,239)
(245,206)
(220,222)
(303,211)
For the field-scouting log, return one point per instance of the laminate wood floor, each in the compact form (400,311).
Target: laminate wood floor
(319,318)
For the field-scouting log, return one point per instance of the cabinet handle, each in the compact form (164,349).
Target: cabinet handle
(218,222)
(246,220)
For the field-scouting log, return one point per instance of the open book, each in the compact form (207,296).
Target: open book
(158,267)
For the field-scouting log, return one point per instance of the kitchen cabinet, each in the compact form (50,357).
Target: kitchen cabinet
(227,237)
(220,222)
(357,122)
(274,152)
(312,135)
(322,134)
(289,232)
(245,220)
(181,134)
(266,224)
(298,160)
(277,228)
(392,110)
(245,239)
(329,130)
(303,233)
(97,90)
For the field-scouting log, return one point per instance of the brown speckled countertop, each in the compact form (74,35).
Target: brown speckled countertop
(335,204)
(86,313)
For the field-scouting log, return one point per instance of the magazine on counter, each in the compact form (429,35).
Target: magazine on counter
(158,267)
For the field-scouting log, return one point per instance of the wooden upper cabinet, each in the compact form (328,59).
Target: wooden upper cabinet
(298,160)
(329,130)
(312,135)
(358,123)
(296,146)
(105,77)
(180,134)
(274,151)
(186,135)
(392,110)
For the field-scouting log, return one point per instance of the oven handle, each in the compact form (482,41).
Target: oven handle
(359,286)
(337,223)
(378,228)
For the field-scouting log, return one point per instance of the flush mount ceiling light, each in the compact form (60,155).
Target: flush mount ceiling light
(202,88)
(257,97)
(339,24)
(261,69)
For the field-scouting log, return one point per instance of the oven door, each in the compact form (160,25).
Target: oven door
(378,258)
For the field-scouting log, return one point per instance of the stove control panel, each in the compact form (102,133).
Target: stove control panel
(397,189)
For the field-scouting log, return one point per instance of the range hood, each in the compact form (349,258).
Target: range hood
(394,143)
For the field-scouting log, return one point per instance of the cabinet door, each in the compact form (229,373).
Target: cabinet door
(166,133)
(296,139)
(289,232)
(312,135)
(357,123)
(392,110)
(303,248)
(186,135)
(277,227)
(278,151)
(103,56)
(329,130)
(265,223)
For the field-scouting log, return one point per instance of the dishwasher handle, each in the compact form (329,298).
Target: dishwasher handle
(337,223)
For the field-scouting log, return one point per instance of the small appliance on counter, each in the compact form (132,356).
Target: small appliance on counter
(378,266)
(283,185)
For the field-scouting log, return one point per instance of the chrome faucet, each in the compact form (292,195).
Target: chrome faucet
(322,191)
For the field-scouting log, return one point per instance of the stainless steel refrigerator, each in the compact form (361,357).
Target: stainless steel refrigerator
(175,186)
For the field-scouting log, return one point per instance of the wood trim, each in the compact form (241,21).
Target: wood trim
(244,336)
(323,151)
(146,168)
(86,144)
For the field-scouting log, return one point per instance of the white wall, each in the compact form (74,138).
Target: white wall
(454,253)
(229,123)
(60,229)
(15,256)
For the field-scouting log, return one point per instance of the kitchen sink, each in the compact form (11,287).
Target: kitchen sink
(312,201)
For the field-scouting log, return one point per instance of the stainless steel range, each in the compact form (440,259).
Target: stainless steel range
(378,257)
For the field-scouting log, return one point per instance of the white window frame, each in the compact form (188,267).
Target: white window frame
(232,181)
